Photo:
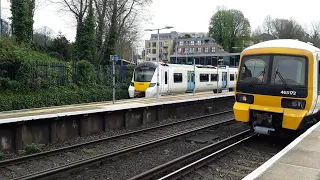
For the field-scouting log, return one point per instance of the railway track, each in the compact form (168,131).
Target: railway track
(230,159)
(19,168)
(194,159)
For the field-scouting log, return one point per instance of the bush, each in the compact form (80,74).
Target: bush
(35,75)
(85,73)
(13,52)
(58,96)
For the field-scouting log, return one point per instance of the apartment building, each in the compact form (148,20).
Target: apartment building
(174,49)
(166,49)
(205,45)
(204,50)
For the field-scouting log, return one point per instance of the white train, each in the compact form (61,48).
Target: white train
(179,78)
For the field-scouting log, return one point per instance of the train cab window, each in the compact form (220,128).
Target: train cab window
(231,77)
(166,77)
(177,77)
(204,77)
(292,69)
(214,77)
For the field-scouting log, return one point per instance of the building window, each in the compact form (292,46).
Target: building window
(154,44)
(214,77)
(179,50)
(148,51)
(199,50)
(191,50)
(231,77)
(160,44)
(186,50)
(154,51)
(153,59)
(177,77)
(148,45)
(213,49)
(181,43)
(204,77)
(206,50)
(199,43)
(192,43)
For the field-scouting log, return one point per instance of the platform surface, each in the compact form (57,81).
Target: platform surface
(69,110)
(299,160)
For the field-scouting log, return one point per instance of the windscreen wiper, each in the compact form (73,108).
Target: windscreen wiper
(281,78)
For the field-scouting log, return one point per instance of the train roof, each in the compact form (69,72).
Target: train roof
(285,43)
(154,65)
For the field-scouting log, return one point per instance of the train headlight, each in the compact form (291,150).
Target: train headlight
(293,103)
(244,98)
(152,84)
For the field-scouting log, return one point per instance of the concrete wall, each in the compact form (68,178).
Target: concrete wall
(15,136)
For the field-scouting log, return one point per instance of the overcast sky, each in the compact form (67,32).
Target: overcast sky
(190,15)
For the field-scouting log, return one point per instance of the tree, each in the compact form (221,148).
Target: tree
(22,20)
(267,24)
(287,29)
(60,47)
(86,43)
(43,36)
(229,28)
(315,34)
(124,15)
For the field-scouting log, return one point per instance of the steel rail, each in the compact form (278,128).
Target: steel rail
(68,148)
(194,159)
(131,149)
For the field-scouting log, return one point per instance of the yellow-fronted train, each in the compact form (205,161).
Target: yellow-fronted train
(277,88)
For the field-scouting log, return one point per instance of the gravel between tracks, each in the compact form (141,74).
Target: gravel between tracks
(126,167)
(109,133)
(103,147)
(241,161)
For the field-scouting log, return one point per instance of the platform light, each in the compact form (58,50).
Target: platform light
(158,53)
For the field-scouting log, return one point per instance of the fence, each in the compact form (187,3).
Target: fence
(62,73)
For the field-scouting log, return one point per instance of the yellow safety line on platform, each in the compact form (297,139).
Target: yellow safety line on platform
(75,107)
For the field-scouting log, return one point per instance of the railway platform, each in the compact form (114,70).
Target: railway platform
(298,160)
(47,125)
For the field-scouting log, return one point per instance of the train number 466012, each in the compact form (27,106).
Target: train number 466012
(288,92)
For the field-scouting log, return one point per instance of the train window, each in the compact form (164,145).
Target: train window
(214,77)
(254,69)
(291,68)
(177,77)
(231,77)
(166,77)
(204,77)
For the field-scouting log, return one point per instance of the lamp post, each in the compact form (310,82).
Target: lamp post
(158,54)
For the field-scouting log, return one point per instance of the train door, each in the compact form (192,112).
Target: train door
(165,81)
(224,80)
(190,82)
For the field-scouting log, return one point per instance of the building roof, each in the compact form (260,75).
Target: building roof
(207,55)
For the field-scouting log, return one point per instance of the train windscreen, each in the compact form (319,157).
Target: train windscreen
(285,70)
(143,74)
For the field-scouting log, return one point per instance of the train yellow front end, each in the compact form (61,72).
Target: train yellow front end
(276,90)
(143,81)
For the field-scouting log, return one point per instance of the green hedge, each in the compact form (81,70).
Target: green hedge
(13,52)
(58,96)
(30,79)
